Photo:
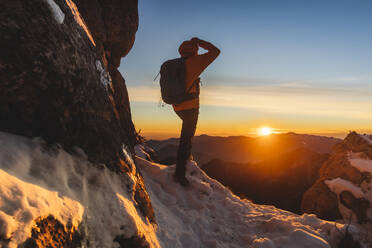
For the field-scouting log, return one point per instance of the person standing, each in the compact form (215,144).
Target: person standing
(188,110)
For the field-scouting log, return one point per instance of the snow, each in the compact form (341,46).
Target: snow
(22,202)
(207,214)
(362,164)
(367,138)
(338,185)
(36,183)
(140,151)
(105,77)
(59,16)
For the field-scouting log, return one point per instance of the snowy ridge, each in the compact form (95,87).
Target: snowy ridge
(208,215)
(37,183)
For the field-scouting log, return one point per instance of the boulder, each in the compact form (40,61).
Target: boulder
(343,189)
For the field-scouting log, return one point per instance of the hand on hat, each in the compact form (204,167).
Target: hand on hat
(195,39)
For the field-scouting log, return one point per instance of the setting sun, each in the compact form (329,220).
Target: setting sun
(263,131)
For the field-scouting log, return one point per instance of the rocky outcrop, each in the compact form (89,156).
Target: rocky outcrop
(49,232)
(59,79)
(342,189)
(113,24)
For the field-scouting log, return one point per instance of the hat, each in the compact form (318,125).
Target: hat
(188,48)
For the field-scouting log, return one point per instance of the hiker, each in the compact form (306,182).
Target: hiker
(188,110)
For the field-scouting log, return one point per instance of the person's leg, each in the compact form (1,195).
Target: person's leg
(189,120)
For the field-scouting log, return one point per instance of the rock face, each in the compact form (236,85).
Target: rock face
(113,24)
(343,189)
(59,79)
(49,232)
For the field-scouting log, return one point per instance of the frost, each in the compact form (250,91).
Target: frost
(105,77)
(57,12)
(38,183)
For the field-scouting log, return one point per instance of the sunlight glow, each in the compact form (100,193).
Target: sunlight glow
(264,131)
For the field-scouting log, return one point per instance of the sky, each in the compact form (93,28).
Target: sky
(295,66)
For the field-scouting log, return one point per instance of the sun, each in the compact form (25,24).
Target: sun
(264,131)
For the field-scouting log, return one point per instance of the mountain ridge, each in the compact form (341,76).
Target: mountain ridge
(241,149)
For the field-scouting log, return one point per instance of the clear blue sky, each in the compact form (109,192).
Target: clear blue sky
(302,66)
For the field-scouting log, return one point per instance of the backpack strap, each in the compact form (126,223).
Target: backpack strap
(157,76)
(195,83)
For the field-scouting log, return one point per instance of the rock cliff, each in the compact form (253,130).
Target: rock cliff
(59,80)
(344,187)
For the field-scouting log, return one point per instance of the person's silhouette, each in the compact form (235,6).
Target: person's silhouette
(188,111)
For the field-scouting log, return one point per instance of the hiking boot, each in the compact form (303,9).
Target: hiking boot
(181,180)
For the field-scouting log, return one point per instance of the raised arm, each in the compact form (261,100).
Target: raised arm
(207,46)
(200,62)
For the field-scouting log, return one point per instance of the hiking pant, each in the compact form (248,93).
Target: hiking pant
(189,119)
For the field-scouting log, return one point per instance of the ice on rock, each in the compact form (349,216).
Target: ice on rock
(58,15)
(105,77)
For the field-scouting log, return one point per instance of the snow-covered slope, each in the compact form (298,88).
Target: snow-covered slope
(207,214)
(38,182)
(35,182)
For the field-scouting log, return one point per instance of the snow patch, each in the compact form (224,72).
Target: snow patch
(338,185)
(59,16)
(105,77)
(207,214)
(22,202)
(37,182)
(362,164)
(367,138)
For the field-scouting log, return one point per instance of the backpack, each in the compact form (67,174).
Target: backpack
(173,82)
